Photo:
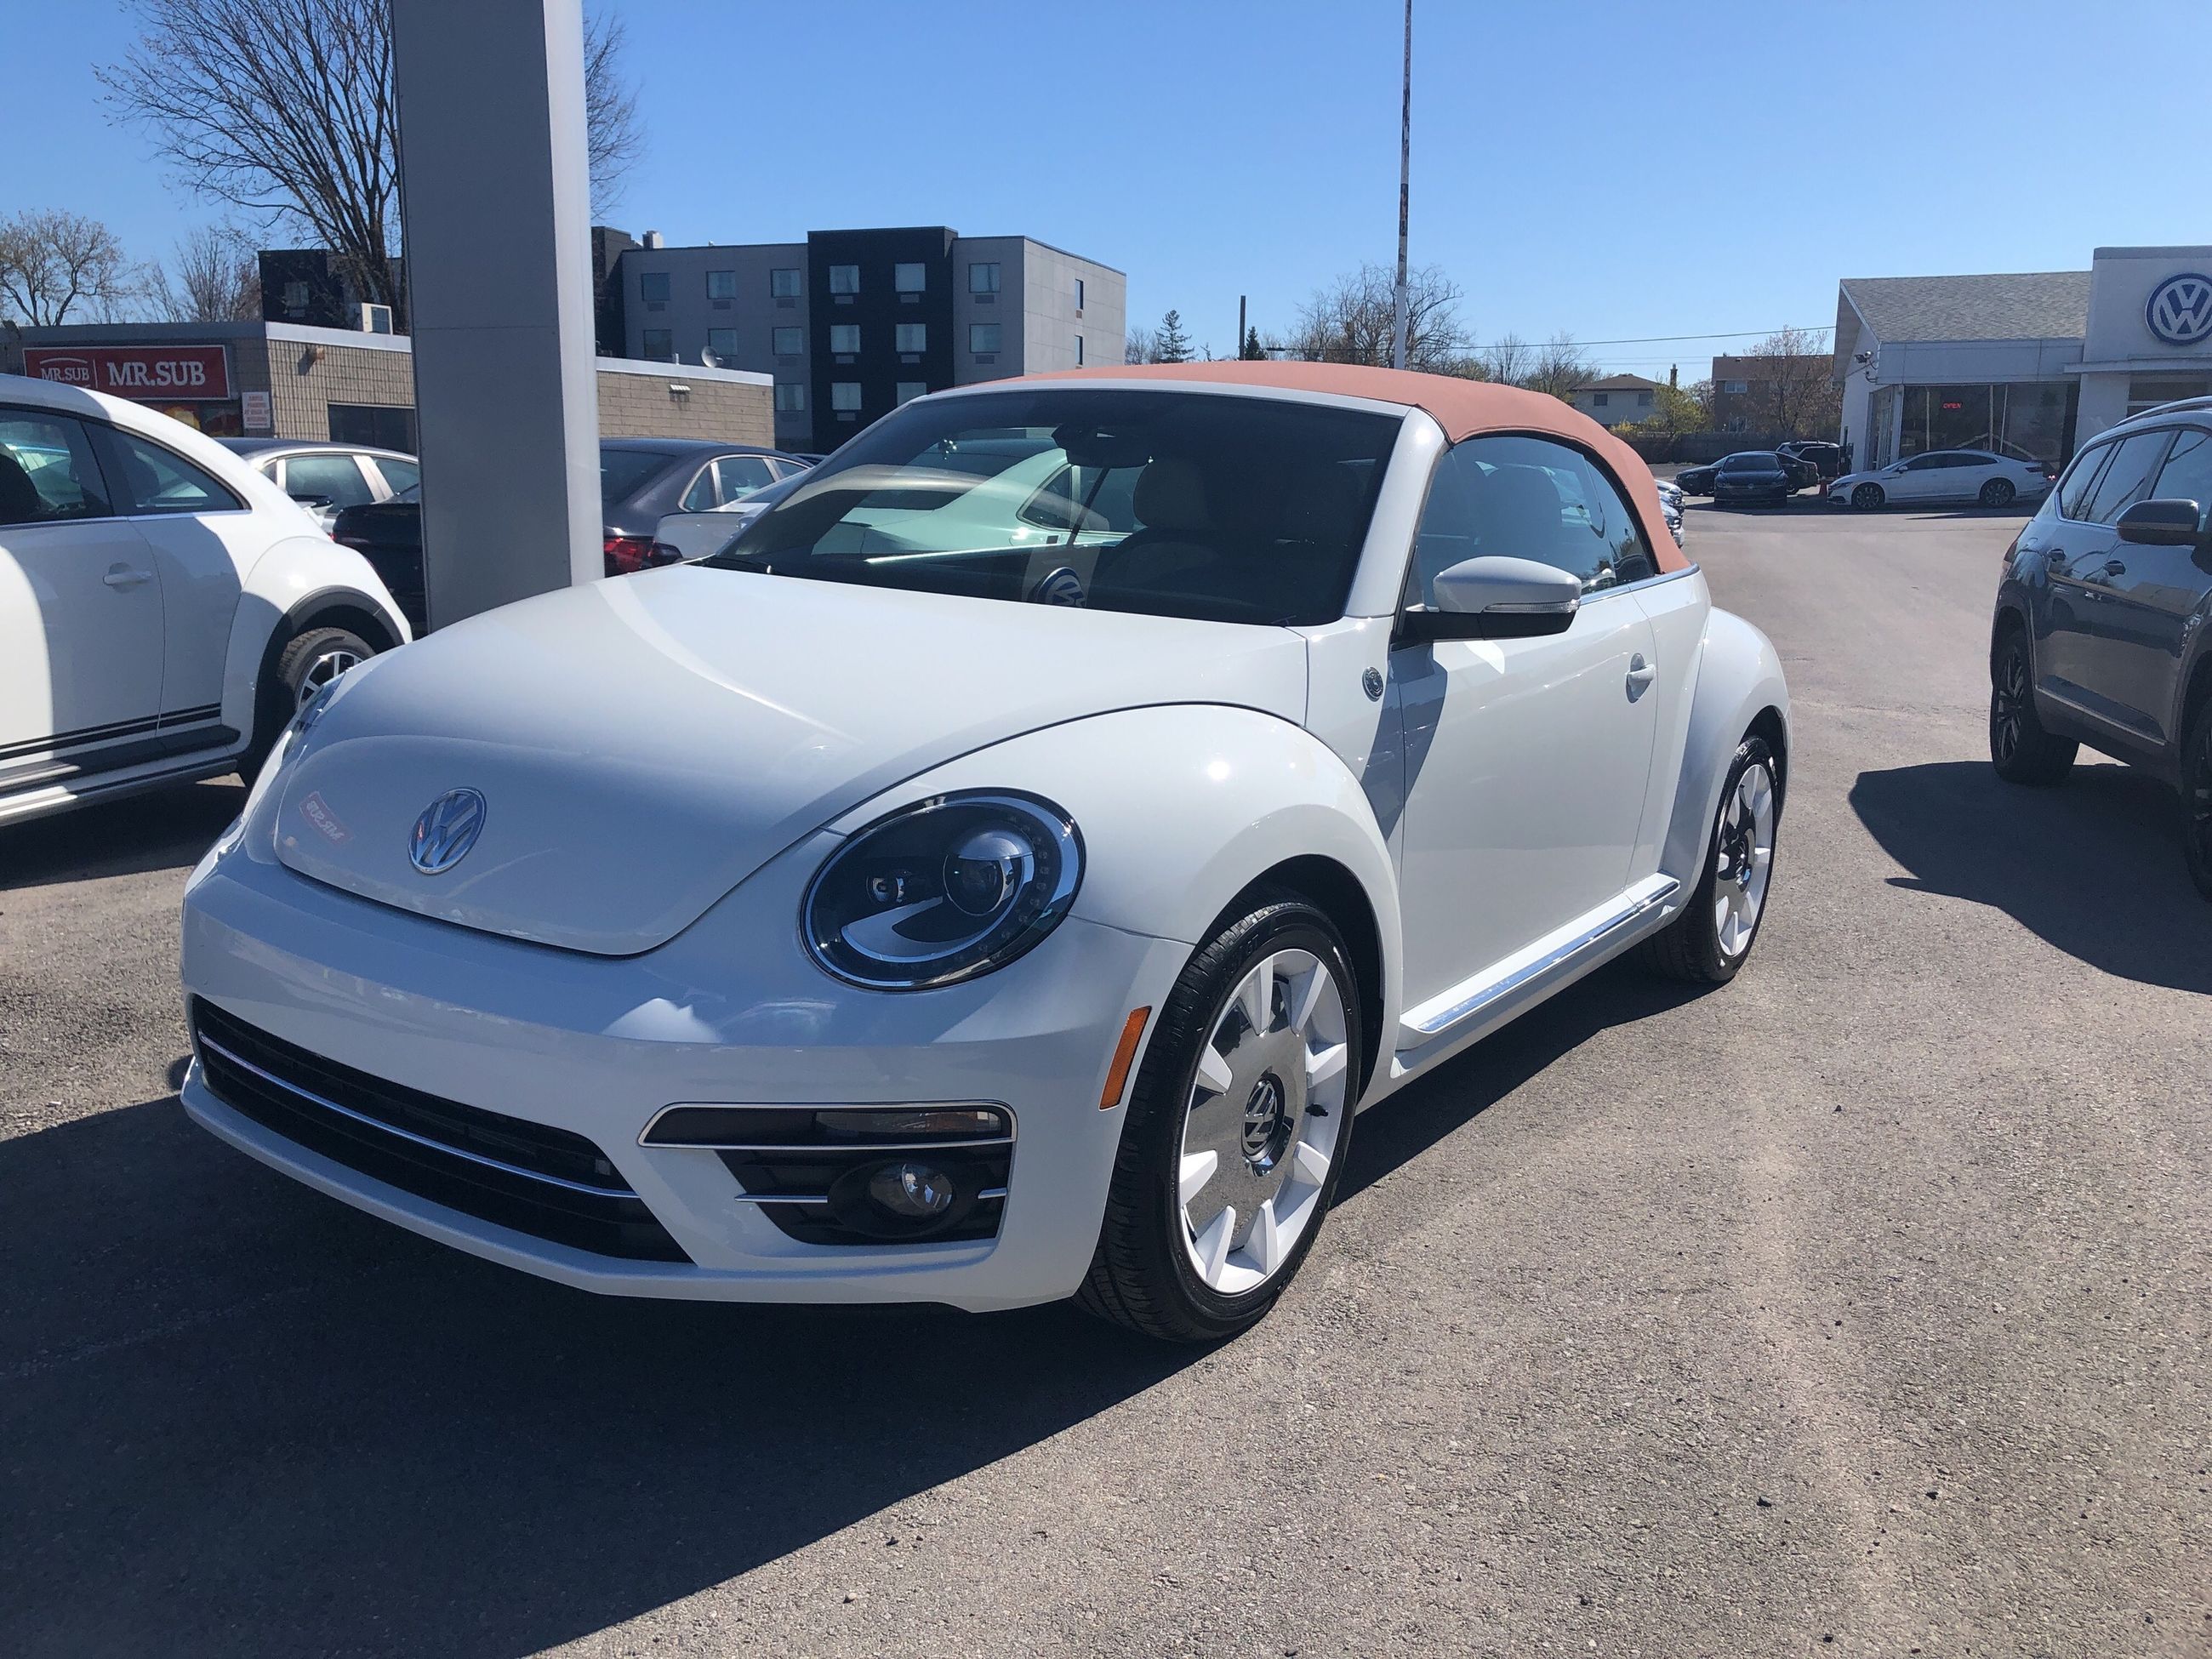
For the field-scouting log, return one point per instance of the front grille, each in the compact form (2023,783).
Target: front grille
(529,1176)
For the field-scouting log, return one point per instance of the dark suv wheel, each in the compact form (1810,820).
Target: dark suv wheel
(2020,749)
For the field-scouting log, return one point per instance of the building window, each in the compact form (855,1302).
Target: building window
(1079,294)
(783,284)
(845,395)
(723,343)
(844,336)
(790,397)
(1737,387)
(659,345)
(914,337)
(652,287)
(910,278)
(982,338)
(844,279)
(983,278)
(721,284)
(378,426)
(1643,400)
(1079,351)
(1600,399)
(790,342)
(910,390)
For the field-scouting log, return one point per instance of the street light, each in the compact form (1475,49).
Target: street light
(1400,318)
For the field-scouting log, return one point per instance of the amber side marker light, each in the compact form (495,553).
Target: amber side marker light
(1117,1074)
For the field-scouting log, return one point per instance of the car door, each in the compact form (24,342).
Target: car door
(737,476)
(81,612)
(1920,479)
(202,536)
(2086,640)
(1526,760)
(325,483)
(2152,595)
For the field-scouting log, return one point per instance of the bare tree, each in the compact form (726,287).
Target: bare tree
(1794,377)
(1558,366)
(212,278)
(1351,320)
(284,108)
(1507,360)
(53,262)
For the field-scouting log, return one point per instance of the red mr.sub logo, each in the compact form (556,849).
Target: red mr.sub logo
(147,372)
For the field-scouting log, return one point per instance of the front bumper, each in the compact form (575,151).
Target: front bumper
(729,1012)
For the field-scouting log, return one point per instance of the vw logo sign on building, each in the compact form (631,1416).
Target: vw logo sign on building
(449,826)
(2180,308)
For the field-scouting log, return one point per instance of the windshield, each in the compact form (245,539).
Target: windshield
(1748,463)
(1165,503)
(623,471)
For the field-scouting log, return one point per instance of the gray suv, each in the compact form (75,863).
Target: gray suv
(2100,635)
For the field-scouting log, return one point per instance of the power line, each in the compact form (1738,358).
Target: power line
(1664,339)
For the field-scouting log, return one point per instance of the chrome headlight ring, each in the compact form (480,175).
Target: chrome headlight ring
(947,889)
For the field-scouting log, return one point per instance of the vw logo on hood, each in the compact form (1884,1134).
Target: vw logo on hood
(449,826)
(2180,308)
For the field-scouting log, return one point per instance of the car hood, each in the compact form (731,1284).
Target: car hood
(643,744)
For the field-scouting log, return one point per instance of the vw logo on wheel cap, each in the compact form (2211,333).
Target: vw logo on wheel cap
(2180,308)
(449,826)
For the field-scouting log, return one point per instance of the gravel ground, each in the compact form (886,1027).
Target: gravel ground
(1858,1307)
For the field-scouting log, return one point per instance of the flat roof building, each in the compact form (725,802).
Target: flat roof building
(850,324)
(2033,363)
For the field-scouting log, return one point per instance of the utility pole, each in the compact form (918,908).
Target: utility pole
(1399,318)
(1240,324)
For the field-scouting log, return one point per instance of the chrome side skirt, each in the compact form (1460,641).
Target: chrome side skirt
(1553,953)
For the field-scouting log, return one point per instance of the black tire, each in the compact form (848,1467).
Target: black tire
(1998,492)
(1868,496)
(309,659)
(1141,1275)
(1689,947)
(2196,796)
(2020,749)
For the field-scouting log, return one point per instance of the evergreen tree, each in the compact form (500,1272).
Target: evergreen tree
(1171,345)
(1252,352)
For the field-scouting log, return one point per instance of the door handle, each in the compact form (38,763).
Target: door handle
(122,575)
(2116,568)
(1640,676)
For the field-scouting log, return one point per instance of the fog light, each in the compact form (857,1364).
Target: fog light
(913,1192)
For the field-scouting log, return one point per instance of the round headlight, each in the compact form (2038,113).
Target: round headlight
(943,891)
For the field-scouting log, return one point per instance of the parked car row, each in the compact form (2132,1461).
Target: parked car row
(1772,476)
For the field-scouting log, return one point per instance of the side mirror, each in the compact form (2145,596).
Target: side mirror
(1497,599)
(2168,523)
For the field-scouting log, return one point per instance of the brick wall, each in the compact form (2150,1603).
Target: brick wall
(640,405)
(303,379)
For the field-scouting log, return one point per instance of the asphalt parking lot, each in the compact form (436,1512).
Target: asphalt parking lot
(1858,1307)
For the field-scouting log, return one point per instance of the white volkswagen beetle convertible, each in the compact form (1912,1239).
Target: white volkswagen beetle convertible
(867,915)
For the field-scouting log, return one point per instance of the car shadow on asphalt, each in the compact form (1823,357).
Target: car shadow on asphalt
(2092,867)
(163,830)
(241,1418)
(1445,1100)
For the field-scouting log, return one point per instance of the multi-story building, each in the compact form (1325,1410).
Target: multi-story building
(853,323)
(1788,397)
(1617,400)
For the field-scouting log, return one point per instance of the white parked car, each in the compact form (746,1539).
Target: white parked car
(1024,919)
(164,607)
(1944,475)
(326,479)
(693,535)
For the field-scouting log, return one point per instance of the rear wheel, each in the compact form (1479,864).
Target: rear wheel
(1868,496)
(2019,748)
(1998,492)
(1237,1132)
(2197,797)
(1712,938)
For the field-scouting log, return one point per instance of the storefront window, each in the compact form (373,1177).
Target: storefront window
(2028,419)
(2149,391)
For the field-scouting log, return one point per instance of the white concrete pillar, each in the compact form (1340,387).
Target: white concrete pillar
(495,189)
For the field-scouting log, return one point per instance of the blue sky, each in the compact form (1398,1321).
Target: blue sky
(1609,169)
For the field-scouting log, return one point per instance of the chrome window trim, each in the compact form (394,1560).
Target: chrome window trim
(291,1088)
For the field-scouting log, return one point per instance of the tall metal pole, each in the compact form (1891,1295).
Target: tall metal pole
(1400,318)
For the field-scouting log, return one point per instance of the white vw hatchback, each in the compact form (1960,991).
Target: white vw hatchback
(870,913)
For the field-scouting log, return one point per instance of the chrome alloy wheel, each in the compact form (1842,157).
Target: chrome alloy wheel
(1263,1122)
(323,669)
(1743,858)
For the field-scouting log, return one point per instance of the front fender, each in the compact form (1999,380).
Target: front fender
(289,582)
(1739,678)
(1181,808)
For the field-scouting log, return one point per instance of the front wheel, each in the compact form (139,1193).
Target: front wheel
(2020,749)
(309,661)
(1711,940)
(1998,492)
(1237,1131)
(1868,496)
(2196,798)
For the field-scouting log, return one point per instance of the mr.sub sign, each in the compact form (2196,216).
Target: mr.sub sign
(165,373)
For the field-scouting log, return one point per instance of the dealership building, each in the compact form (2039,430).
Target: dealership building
(2032,363)
(292,380)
